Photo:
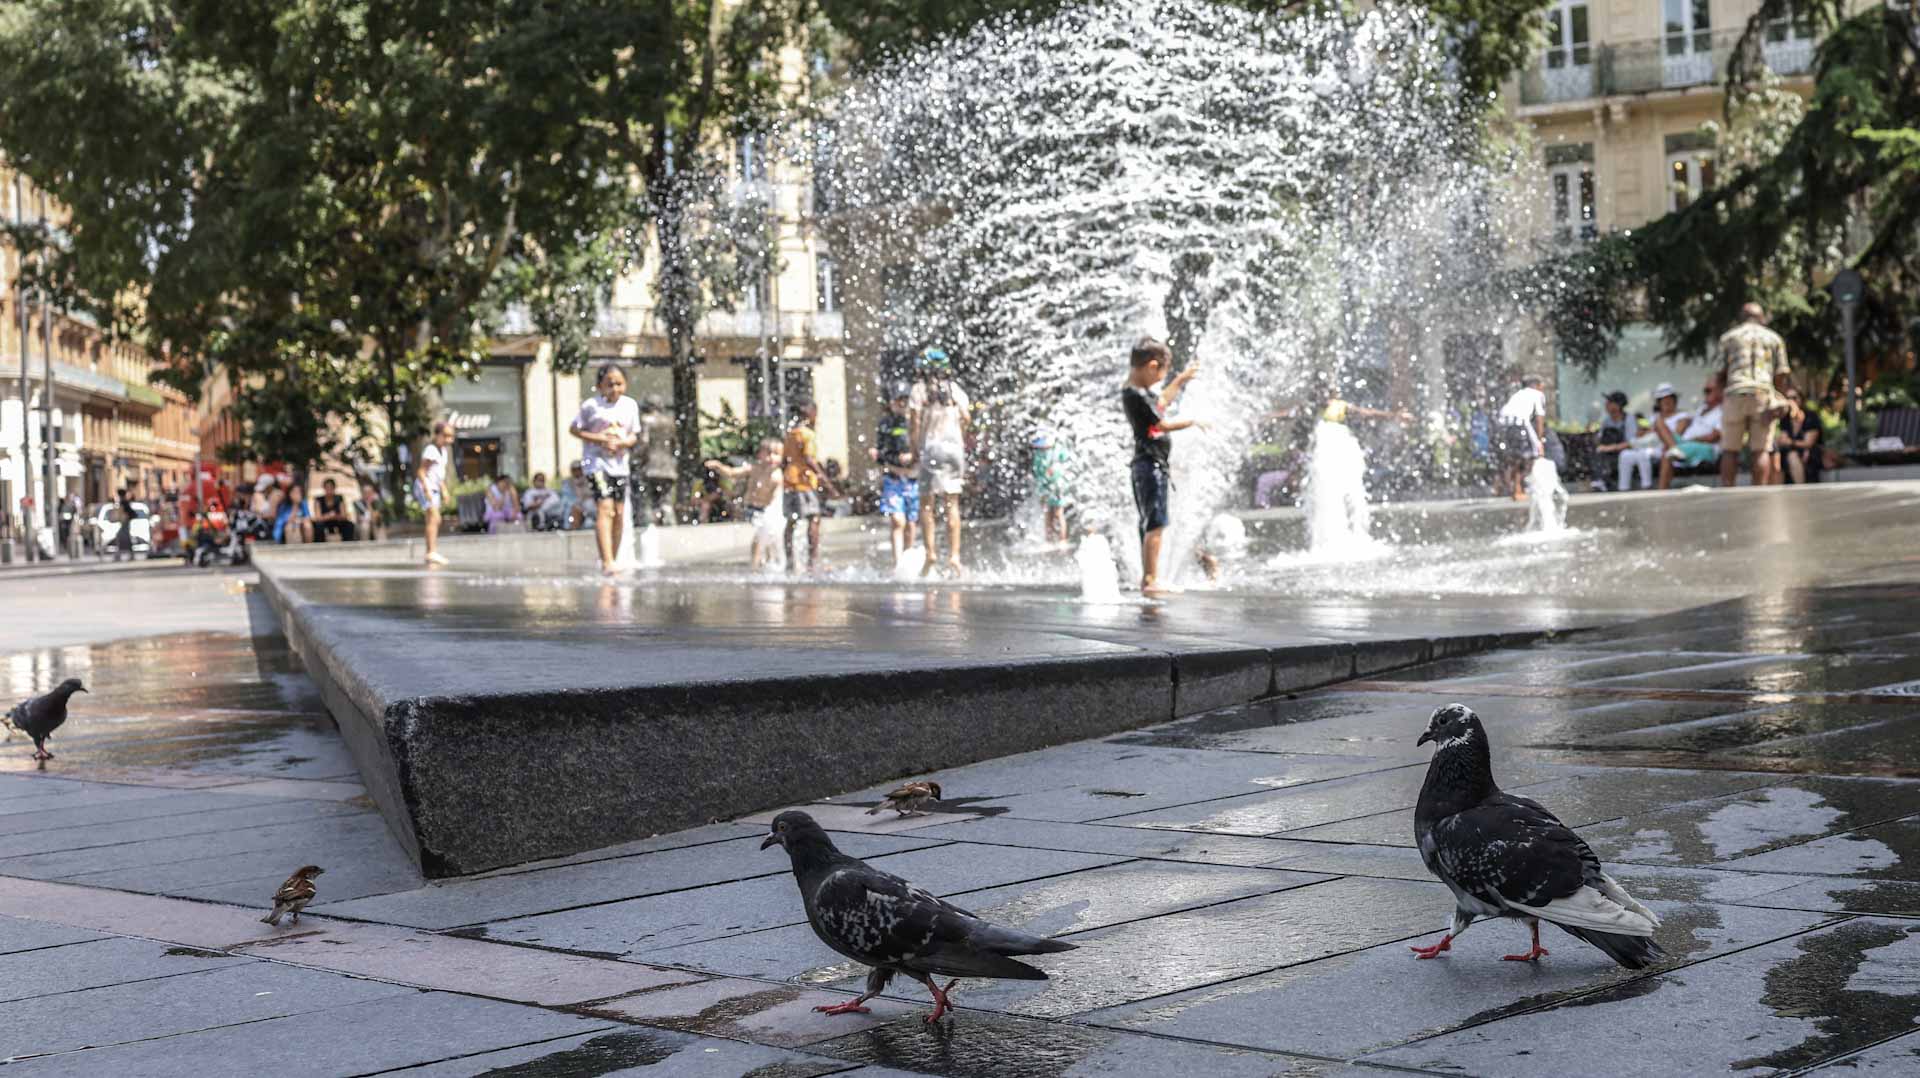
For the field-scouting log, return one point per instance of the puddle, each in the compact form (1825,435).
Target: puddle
(1856,982)
(609,1053)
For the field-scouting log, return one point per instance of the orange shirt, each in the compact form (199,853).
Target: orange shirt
(802,443)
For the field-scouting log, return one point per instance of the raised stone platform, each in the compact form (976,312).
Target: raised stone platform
(516,707)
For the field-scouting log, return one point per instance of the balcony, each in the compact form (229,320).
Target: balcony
(1669,62)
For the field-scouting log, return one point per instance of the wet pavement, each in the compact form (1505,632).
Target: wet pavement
(1240,883)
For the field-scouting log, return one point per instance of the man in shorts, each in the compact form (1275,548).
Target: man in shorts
(805,478)
(1753,368)
(609,424)
(899,486)
(941,413)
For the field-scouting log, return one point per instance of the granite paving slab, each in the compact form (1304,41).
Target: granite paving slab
(1466,987)
(349,1038)
(1886,851)
(1755,821)
(1899,1056)
(1771,1009)
(20,934)
(632,1051)
(302,841)
(1881,897)
(240,813)
(367,864)
(648,926)
(498,897)
(1149,843)
(780,1015)
(95,964)
(234,995)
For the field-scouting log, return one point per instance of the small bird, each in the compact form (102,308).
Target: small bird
(293,895)
(882,921)
(40,716)
(909,800)
(1506,856)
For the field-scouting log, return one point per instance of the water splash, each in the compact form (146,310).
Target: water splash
(1299,204)
(1546,499)
(1099,576)
(1339,521)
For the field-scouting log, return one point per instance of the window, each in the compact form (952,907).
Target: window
(791,380)
(753,297)
(826,285)
(1689,172)
(1567,36)
(1571,203)
(753,157)
(1689,27)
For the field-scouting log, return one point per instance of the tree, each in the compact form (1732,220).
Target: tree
(322,201)
(1837,190)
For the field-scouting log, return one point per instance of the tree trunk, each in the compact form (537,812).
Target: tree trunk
(677,315)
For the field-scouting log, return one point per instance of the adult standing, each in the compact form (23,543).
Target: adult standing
(940,414)
(1753,368)
(662,468)
(609,422)
(123,539)
(1523,428)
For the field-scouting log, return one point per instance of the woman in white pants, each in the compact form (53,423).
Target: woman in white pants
(1641,459)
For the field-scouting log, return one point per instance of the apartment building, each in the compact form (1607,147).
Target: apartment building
(84,399)
(1617,100)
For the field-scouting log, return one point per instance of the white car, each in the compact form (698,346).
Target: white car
(106,525)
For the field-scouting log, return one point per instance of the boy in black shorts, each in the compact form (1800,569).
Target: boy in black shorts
(1152,446)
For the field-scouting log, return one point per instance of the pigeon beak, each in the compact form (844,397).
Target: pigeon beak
(771,840)
(1425,737)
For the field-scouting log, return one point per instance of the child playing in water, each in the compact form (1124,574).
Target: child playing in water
(763,494)
(1050,463)
(1152,446)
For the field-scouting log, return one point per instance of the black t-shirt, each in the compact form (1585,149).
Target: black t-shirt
(1797,431)
(891,439)
(329,504)
(1150,443)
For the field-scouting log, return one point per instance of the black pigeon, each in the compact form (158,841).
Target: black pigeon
(881,920)
(1506,856)
(39,717)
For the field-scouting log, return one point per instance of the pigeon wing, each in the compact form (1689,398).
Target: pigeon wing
(1511,852)
(882,920)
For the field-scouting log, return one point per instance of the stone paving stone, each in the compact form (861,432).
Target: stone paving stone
(366,865)
(451,903)
(1102,838)
(1786,674)
(1177,951)
(354,1038)
(1559,666)
(21,934)
(631,1051)
(306,789)
(1778,1007)
(300,840)
(59,813)
(1884,897)
(1468,986)
(780,1015)
(240,813)
(1887,851)
(1091,780)
(983,1045)
(1899,1056)
(1722,829)
(647,925)
(228,996)
(99,963)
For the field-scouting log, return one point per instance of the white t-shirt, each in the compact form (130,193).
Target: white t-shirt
(1702,424)
(535,497)
(434,460)
(940,421)
(596,415)
(1525,403)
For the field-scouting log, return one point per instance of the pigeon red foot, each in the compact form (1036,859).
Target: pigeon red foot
(1445,944)
(1537,952)
(852,1006)
(941,1004)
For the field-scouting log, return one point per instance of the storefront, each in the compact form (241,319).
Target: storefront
(489,417)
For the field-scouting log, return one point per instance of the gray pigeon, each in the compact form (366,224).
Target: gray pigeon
(40,716)
(881,920)
(1506,856)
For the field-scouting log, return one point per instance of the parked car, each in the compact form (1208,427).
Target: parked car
(103,525)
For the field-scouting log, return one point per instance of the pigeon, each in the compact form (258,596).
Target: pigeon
(882,921)
(1506,856)
(909,800)
(293,895)
(39,717)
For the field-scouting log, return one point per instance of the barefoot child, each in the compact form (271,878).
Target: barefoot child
(763,494)
(609,422)
(1152,446)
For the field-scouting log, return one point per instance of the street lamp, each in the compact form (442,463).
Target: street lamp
(1848,287)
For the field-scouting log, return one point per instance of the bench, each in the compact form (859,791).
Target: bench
(1901,423)
(472,509)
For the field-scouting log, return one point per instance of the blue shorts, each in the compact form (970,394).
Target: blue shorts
(899,497)
(1150,485)
(1698,453)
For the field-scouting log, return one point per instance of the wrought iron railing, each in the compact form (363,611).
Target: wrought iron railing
(1668,62)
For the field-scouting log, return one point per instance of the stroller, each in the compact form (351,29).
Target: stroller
(246,527)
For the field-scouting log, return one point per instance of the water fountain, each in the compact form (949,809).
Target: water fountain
(1339,522)
(1546,499)
(1276,196)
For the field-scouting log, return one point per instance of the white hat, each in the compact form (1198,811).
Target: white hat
(265,482)
(1664,389)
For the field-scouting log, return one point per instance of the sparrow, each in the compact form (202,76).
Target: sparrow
(909,800)
(293,895)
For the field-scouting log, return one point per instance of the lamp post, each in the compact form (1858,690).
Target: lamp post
(1848,288)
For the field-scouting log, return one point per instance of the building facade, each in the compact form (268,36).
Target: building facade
(1618,101)
(85,400)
